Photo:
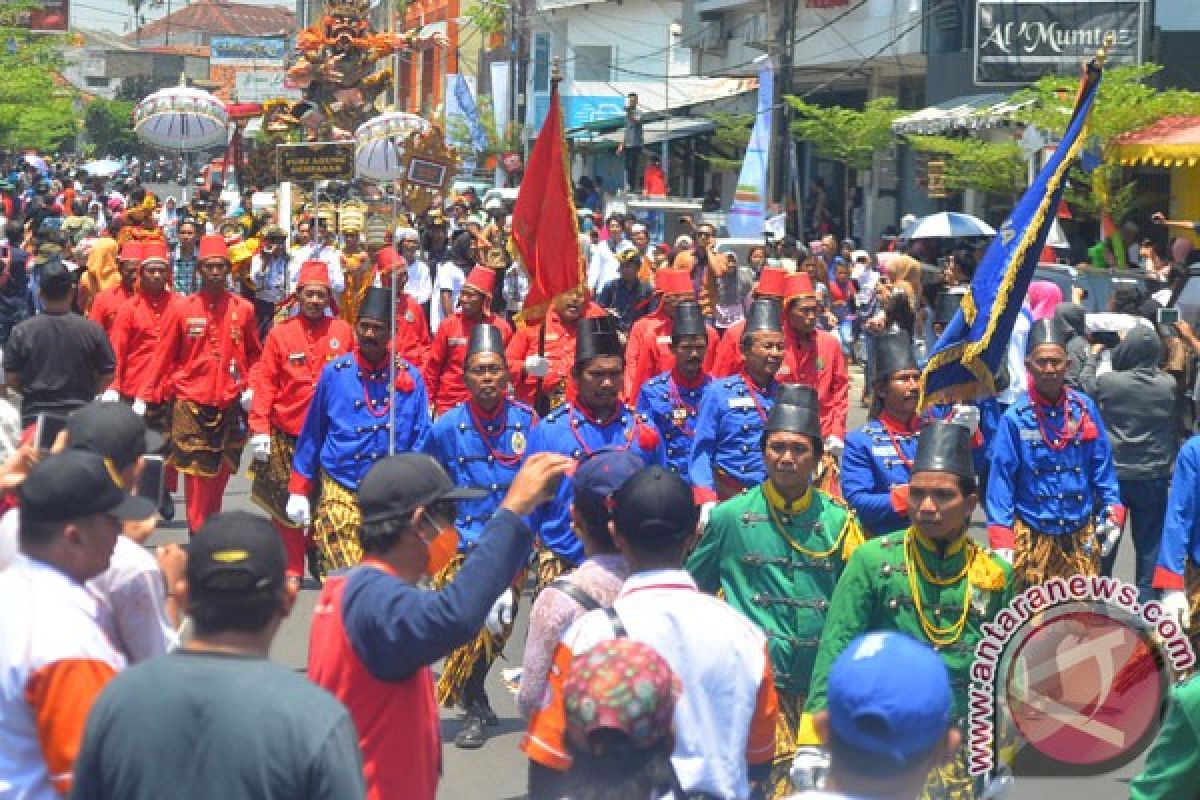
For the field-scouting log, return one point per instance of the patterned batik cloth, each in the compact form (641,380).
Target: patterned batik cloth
(202,436)
(1038,557)
(336,524)
(269,479)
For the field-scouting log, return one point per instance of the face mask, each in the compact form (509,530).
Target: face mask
(442,548)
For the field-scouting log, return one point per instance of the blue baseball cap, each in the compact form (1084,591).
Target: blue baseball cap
(599,476)
(888,701)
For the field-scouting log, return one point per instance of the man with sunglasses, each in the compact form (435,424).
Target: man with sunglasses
(705,266)
(480,442)
(375,633)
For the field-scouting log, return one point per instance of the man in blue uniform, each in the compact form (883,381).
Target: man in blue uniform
(877,461)
(670,400)
(726,456)
(481,443)
(347,429)
(595,419)
(1053,506)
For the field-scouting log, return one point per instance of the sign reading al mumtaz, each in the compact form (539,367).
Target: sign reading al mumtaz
(1018,41)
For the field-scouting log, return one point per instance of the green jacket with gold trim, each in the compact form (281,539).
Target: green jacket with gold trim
(875,594)
(771,580)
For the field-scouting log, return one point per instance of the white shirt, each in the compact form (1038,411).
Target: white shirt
(134,593)
(1015,358)
(48,625)
(420,283)
(602,266)
(720,658)
(316,252)
(451,278)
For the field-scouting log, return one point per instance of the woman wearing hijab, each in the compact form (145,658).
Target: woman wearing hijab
(1044,298)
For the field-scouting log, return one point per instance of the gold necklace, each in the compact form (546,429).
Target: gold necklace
(778,525)
(938,636)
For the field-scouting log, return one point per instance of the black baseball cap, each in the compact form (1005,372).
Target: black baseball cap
(234,556)
(76,484)
(655,507)
(398,484)
(113,431)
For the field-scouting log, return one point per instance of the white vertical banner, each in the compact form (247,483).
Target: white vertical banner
(748,212)
(500,95)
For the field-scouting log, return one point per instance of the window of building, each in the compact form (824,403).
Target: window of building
(593,62)
(541,62)
(94,82)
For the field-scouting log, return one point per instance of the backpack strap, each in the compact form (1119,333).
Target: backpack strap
(618,626)
(575,593)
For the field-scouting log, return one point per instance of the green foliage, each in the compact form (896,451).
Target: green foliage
(488,16)
(846,135)
(107,123)
(994,167)
(498,142)
(34,112)
(730,138)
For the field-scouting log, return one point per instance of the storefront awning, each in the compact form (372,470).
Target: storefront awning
(656,132)
(971,112)
(1170,142)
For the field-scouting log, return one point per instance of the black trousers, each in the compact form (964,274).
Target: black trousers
(633,168)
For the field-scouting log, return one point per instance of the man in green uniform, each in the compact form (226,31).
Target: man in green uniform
(932,582)
(1173,765)
(776,552)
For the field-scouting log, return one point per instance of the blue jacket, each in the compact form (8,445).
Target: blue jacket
(1181,527)
(729,431)
(870,468)
(342,436)
(555,434)
(1052,491)
(457,444)
(672,409)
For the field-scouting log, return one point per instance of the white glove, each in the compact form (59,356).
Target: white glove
(298,510)
(260,446)
(1109,534)
(139,407)
(537,366)
(110,396)
(1175,603)
(247,400)
(809,768)
(967,416)
(501,615)
(834,446)
(1005,553)
(705,510)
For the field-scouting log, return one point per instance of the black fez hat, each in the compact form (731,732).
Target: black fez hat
(485,338)
(377,305)
(1046,331)
(689,320)
(795,411)
(765,314)
(947,305)
(944,447)
(893,352)
(597,337)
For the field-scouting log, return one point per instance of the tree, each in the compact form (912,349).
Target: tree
(489,16)
(498,142)
(730,138)
(993,167)
(35,112)
(107,123)
(1125,103)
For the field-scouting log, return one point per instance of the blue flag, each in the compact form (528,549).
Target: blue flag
(470,114)
(964,362)
(749,210)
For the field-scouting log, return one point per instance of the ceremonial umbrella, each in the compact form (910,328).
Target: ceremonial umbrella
(947,225)
(37,162)
(102,168)
(377,148)
(181,118)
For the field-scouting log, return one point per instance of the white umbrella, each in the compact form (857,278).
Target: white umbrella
(182,119)
(377,144)
(947,225)
(102,168)
(37,162)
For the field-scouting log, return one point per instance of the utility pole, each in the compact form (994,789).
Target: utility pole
(780,178)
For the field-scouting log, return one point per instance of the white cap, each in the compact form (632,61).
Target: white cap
(406,233)
(857,254)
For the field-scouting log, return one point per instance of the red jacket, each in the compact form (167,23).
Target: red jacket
(286,376)
(412,330)
(443,371)
(819,362)
(207,350)
(728,360)
(648,352)
(560,352)
(135,335)
(107,304)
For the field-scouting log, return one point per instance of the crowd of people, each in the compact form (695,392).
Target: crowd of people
(734,594)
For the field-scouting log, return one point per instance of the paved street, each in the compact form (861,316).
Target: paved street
(497,772)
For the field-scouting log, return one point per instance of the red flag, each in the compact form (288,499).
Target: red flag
(545,229)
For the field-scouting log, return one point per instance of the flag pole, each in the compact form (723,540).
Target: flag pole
(392,367)
(539,394)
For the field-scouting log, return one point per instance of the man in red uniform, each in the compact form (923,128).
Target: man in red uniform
(444,368)
(814,358)
(284,380)
(649,352)
(135,336)
(412,327)
(528,360)
(108,302)
(729,360)
(376,632)
(209,344)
